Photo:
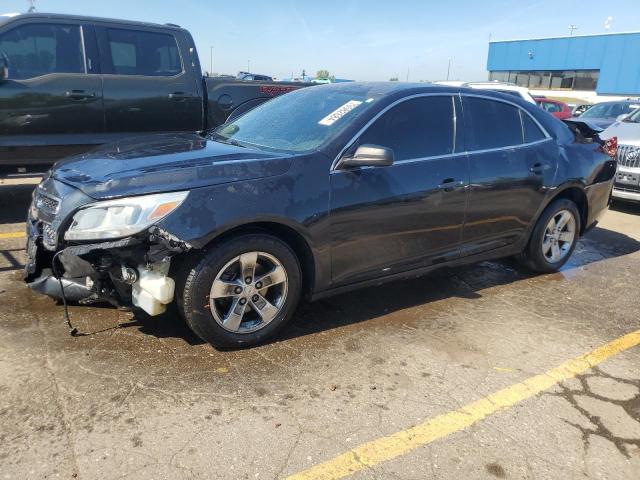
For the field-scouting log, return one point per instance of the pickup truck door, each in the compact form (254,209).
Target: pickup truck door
(386,220)
(149,81)
(51,101)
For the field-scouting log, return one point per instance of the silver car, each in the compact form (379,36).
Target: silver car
(627,184)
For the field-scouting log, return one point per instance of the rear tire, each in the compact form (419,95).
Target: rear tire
(242,291)
(554,237)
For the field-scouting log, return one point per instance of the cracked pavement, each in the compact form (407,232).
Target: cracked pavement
(144,399)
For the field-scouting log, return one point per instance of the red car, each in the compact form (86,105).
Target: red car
(555,107)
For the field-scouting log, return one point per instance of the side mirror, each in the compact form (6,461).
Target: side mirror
(369,156)
(620,118)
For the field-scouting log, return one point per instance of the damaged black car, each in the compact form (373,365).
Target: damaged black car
(314,193)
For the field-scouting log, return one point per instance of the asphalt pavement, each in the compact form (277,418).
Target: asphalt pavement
(477,372)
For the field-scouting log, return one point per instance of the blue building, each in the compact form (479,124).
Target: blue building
(608,64)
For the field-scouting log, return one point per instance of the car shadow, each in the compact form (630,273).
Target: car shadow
(373,302)
(15,200)
(11,259)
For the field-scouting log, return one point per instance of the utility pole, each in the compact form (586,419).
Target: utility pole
(248,65)
(448,69)
(572,27)
(407,74)
(32,6)
(211,60)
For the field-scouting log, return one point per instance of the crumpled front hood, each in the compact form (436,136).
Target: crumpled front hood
(162,163)
(628,133)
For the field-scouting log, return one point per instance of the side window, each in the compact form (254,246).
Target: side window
(551,107)
(421,127)
(143,53)
(491,124)
(40,48)
(532,132)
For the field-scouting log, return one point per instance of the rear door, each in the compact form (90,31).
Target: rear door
(387,220)
(512,161)
(51,102)
(149,83)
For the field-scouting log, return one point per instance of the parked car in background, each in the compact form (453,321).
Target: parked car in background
(580,109)
(605,113)
(556,108)
(506,88)
(503,87)
(354,185)
(69,83)
(627,132)
(254,76)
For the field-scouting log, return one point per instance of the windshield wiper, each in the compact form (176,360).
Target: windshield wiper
(228,140)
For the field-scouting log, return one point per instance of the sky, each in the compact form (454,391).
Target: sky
(357,39)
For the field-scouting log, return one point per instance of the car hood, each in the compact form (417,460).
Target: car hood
(628,133)
(162,163)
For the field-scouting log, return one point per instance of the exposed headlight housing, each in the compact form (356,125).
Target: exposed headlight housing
(122,217)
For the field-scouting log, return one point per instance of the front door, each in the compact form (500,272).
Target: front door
(51,102)
(510,162)
(148,85)
(386,220)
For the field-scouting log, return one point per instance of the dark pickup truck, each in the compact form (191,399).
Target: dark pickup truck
(69,83)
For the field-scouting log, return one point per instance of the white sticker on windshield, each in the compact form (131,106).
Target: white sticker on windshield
(340,112)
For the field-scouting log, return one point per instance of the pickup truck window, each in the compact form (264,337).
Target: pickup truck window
(37,49)
(151,54)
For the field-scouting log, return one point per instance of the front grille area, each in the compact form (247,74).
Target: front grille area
(627,188)
(628,156)
(49,236)
(47,203)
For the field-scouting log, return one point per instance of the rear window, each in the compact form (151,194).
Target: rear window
(491,124)
(143,53)
(530,129)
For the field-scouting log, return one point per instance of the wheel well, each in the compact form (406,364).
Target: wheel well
(577,196)
(289,236)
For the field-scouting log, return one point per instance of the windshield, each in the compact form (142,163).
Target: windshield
(299,121)
(607,110)
(634,117)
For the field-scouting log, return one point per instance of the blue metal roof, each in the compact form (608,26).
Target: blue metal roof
(616,55)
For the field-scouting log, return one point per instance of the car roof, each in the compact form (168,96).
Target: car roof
(617,102)
(83,18)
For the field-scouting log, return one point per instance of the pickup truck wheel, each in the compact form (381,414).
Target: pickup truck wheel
(554,237)
(242,291)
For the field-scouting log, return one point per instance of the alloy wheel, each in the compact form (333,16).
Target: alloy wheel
(248,292)
(559,236)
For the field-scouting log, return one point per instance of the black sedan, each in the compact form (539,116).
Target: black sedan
(316,192)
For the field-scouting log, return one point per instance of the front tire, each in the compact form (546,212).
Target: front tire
(554,237)
(242,291)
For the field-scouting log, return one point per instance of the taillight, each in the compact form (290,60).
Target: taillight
(610,147)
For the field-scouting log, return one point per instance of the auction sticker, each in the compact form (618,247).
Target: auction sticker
(340,112)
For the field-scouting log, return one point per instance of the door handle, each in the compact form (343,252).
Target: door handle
(179,95)
(79,94)
(539,168)
(450,184)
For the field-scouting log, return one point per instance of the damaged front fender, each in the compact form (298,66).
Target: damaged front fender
(133,271)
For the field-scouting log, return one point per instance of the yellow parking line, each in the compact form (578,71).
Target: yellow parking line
(400,443)
(12,235)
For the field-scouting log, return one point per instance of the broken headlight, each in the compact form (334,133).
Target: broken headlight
(122,217)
